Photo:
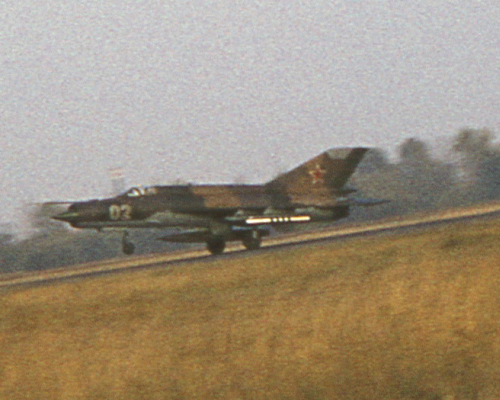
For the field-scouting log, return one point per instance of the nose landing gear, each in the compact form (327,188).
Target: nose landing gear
(127,246)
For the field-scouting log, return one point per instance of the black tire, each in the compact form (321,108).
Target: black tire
(128,248)
(252,242)
(216,246)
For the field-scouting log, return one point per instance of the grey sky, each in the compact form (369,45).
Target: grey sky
(208,91)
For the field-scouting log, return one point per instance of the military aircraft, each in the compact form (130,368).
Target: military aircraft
(215,214)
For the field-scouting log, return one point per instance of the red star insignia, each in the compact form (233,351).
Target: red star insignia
(317,174)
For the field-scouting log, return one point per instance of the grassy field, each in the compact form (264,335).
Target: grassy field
(415,316)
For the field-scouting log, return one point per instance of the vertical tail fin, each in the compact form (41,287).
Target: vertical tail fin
(330,170)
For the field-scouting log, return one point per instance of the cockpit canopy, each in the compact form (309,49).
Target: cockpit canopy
(140,191)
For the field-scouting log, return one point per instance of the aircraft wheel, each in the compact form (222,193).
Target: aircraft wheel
(216,246)
(128,248)
(252,242)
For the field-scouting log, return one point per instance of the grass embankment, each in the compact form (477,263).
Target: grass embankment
(408,317)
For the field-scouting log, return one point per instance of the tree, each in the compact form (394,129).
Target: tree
(374,160)
(414,152)
(425,181)
(479,163)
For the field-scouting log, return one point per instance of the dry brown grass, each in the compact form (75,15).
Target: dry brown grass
(408,317)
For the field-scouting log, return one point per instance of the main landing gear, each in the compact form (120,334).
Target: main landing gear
(127,246)
(251,241)
(216,245)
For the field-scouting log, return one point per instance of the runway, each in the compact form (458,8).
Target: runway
(342,232)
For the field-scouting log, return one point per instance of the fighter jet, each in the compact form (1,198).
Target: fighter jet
(315,191)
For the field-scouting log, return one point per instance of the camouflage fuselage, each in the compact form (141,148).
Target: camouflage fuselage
(313,191)
(205,201)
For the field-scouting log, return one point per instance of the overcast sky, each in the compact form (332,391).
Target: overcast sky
(211,91)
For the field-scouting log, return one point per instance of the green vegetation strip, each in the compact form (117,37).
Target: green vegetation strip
(409,317)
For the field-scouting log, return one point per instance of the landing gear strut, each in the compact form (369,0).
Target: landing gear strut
(127,246)
(216,245)
(252,241)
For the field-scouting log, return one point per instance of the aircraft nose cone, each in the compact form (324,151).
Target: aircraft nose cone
(68,216)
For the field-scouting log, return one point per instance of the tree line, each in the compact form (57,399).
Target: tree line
(468,174)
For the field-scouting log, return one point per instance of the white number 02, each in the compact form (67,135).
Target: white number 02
(123,212)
